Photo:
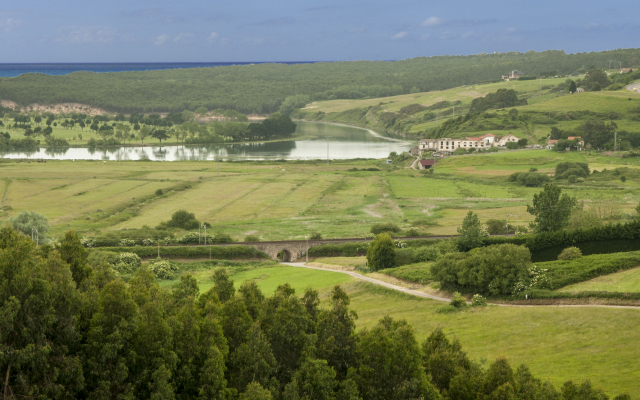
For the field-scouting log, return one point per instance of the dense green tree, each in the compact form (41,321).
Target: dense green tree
(110,344)
(315,380)
(160,134)
(73,253)
(252,297)
(143,132)
(311,300)
(252,361)
(236,322)
(470,234)
(201,348)
(551,209)
(381,253)
(255,391)
(186,290)
(28,222)
(285,321)
(336,333)
(390,366)
(38,336)
(223,285)
(442,359)
(597,133)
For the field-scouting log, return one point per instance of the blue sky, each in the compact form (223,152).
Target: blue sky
(286,30)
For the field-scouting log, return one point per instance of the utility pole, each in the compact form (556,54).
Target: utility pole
(306,253)
(205,235)
(199,227)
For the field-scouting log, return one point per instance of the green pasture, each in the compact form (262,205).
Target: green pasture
(463,93)
(268,278)
(625,281)
(290,200)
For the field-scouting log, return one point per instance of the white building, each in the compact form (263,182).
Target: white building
(448,145)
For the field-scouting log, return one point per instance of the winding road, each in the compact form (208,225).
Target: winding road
(634,86)
(438,298)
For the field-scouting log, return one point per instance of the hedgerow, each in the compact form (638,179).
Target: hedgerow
(216,252)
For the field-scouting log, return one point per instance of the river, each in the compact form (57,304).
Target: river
(324,141)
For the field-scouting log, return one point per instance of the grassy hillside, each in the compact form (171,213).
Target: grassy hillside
(262,88)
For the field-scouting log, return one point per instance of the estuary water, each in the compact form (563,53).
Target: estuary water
(9,70)
(325,140)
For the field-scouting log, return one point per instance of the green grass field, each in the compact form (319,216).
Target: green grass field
(625,281)
(557,343)
(259,198)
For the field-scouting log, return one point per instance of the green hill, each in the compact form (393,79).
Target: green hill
(262,88)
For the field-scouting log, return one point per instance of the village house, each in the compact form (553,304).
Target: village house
(515,74)
(508,138)
(580,146)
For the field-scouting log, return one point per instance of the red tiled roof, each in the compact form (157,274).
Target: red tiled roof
(552,141)
(424,163)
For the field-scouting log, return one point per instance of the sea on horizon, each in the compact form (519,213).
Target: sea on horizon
(10,70)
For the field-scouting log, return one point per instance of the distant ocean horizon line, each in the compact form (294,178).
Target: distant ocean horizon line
(10,70)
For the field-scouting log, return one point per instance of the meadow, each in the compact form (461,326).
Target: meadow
(557,343)
(290,200)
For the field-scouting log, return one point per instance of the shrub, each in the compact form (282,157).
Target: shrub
(147,242)
(126,243)
(127,263)
(458,300)
(417,273)
(567,168)
(340,250)
(159,192)
(427,253)
(570,253)
(222,238)
(478,301)
(623,178)
(529,179)
(389,227)
(162,269)
(493,270)
(413,232)
(316,236)
(251,238)
(381,252)
(184,220)
(87,242)
(572,179)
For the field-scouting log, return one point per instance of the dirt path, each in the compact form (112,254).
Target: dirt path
(438,298)
(413,165)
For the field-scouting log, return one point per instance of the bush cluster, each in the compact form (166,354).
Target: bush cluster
(492,270)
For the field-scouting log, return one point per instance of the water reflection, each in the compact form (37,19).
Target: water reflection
(339,141)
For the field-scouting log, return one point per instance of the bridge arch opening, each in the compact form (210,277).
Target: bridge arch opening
(284,255)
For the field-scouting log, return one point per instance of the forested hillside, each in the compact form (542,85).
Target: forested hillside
(263,88)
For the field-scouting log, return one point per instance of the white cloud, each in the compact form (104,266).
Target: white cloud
(212,38)
(10,24)
(399,35)
(432,21)
(87,34)
(183,38)
(162,39)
